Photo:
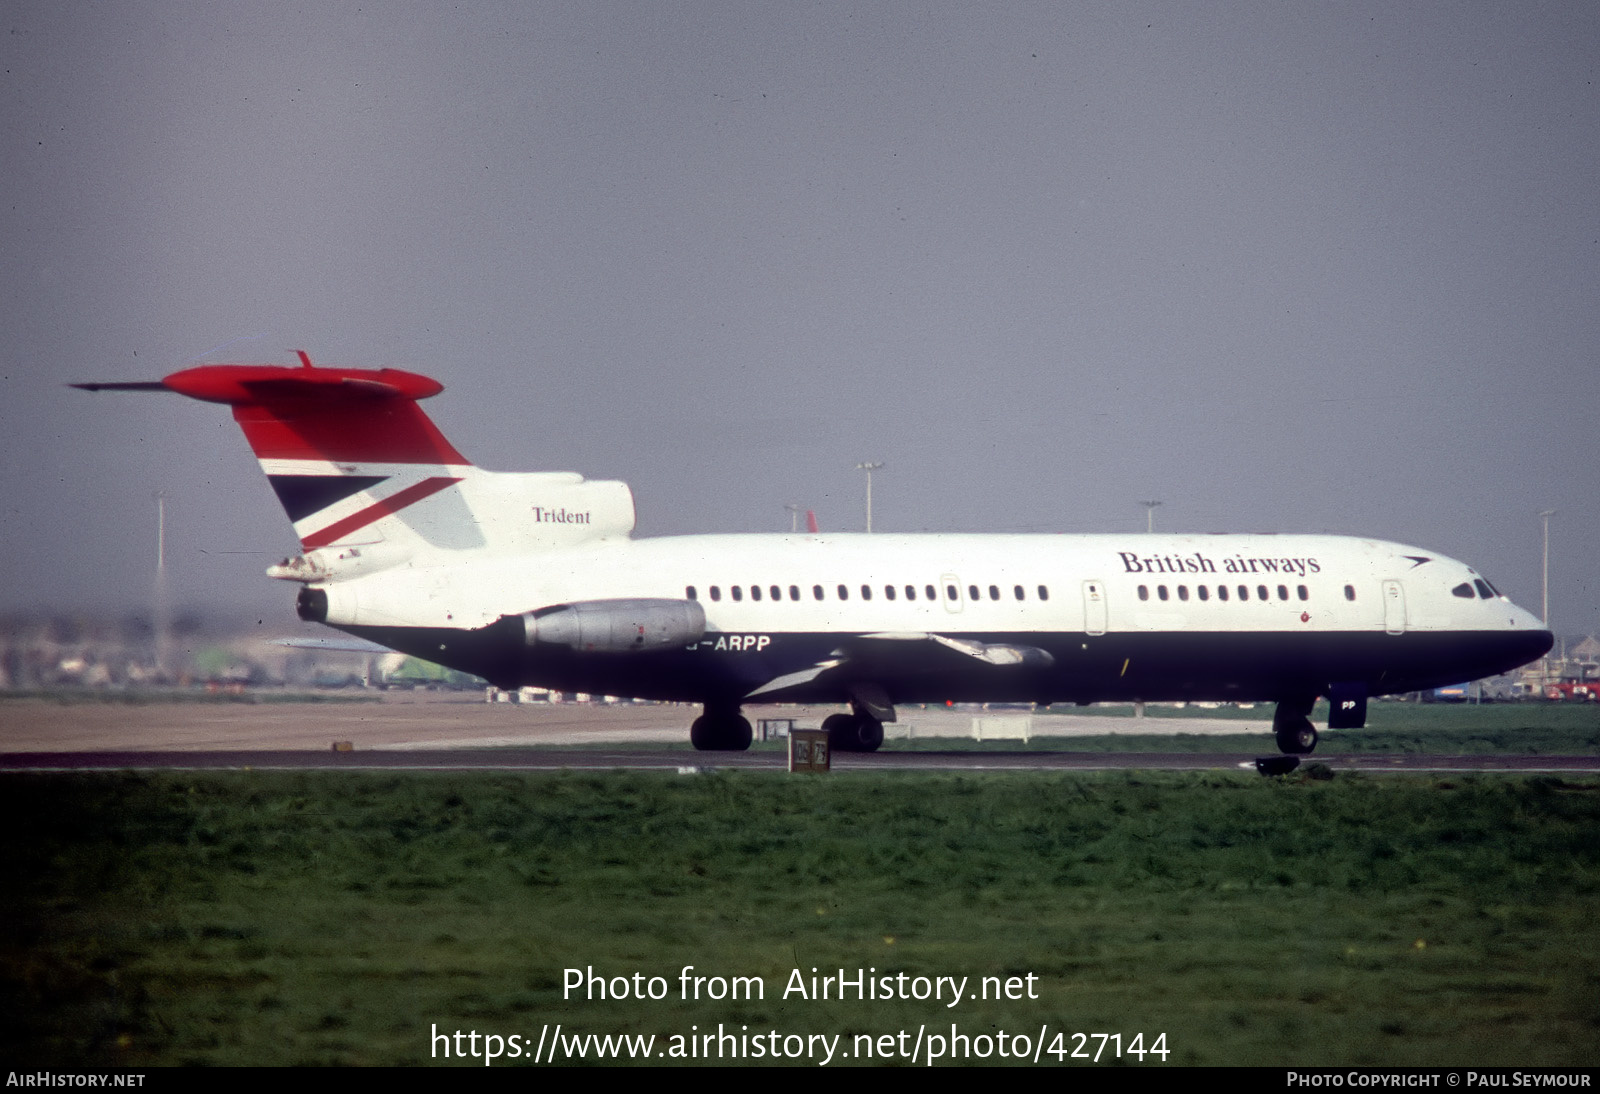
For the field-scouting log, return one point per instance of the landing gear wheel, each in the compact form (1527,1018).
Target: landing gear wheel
(1291,724)
(853,732)
(703,734)
(869,735)
(740,734)
(1297,740)
(721,733)
(841,731)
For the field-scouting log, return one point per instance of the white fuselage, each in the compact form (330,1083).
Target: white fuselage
(1111,616)
(1014,583)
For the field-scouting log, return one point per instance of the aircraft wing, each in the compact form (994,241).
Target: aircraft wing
(890,655)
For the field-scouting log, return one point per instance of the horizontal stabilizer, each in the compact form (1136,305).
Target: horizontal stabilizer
(131,385)
(333,645)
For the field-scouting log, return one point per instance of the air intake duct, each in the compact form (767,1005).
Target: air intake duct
(616,626)
(312,605)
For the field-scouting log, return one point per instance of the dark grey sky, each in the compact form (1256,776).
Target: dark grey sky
(1285,267)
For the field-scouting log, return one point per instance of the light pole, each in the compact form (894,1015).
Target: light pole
(1149,515)
(869,468)
(163,613)
(1545,517)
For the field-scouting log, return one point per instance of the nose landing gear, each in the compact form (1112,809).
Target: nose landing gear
(1291,724)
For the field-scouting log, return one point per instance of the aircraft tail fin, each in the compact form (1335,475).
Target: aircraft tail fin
(368,480)
(325,415)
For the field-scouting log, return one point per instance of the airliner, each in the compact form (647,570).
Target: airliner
(533,578)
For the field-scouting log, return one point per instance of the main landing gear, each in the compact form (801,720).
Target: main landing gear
(862,729)
(1291,724)
(853,732)
(721,729)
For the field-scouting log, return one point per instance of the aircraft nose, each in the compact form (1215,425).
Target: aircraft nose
(1547,639)
(1535,643)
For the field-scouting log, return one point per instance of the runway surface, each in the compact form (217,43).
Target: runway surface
(425,732)
(431,721)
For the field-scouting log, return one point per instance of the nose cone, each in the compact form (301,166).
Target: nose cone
(1538,644)
(1516,638)
(1528,638)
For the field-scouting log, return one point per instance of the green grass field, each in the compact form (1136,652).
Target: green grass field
(273,918)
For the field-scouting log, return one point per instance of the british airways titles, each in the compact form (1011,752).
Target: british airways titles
(1198,563)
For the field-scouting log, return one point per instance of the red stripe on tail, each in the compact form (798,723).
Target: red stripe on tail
(376,512)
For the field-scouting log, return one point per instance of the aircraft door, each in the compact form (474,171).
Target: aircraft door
(1094,607)
(1394,608)
(950,592)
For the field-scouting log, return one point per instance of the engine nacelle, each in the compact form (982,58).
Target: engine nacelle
(616,626)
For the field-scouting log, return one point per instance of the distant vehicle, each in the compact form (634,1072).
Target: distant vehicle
(1573,691)
(534,579)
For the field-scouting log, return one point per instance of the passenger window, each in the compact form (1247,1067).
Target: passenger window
(716,593)
(952,593)
(690,593)
(931,594)
(888,591)
(1244,592)
(816,592)
(911,592)
(1144,592)
(1205,593)
(1261,593)
(777,593)
(1302,592)
(972,592)
(866,592)
(755,592)
(1283,592)
(1044,592)
(1222,592)
(844,592)
(738,593)
(994,592)
(1349,592)
(1019,593)
(1183,592)
(794,592)
(1161,592)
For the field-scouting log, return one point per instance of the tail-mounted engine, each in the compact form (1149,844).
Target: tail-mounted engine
(616,626)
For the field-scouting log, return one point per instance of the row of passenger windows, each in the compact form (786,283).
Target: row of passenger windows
(890,592)
(1018,592)
(1262,592)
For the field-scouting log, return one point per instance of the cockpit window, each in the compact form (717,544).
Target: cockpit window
(1462,590)
(1485,589)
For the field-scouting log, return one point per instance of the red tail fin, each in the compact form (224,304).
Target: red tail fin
(334,414)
